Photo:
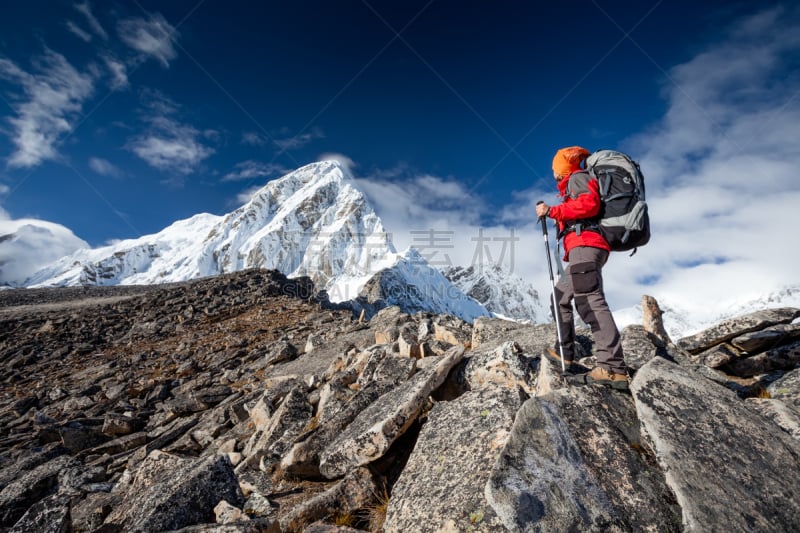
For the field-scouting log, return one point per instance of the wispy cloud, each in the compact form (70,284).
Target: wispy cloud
(118,71)
(168,144)
(78,32)
(4,190)
(105,168)
(249,170)
(86,10)
(51,99)
(254,138)
(152,37)
(440,217)
(298,141)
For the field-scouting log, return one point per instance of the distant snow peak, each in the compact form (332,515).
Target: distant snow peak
(414,285)
(27,245)
(501,292)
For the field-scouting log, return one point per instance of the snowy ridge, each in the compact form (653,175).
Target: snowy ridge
(503,293)
(416,286)
(312,222)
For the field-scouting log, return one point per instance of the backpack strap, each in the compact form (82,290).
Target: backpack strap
(579,226)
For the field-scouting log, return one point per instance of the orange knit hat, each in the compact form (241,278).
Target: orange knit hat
(568,160)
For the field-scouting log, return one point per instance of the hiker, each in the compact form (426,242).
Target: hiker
(586,251)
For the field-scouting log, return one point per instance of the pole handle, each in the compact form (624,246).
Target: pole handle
(543,220)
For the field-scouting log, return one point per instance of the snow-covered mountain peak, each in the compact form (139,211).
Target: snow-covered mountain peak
(312,222)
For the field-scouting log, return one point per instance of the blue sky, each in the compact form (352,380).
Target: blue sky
(118,118)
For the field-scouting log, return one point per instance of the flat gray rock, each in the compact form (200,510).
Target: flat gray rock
(30,487)
(787,388)
(734,327)
(354,492)
(785,416)
(168,492)
(575,462)
(374,430)
(717,452)
(442,485)
(758,341)
(504,366)
(784,357)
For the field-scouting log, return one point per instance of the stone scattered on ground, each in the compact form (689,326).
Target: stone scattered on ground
(246,403)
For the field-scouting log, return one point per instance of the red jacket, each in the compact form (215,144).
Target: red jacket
(580,194)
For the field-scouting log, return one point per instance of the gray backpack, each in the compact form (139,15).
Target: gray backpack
(623,218)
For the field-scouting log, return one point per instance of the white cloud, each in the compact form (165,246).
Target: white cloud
(298,141)
(4,190)
(168,144)
(78,32)
(26,245)
(105,168)
(249,170)
(94,24)
(52,99)
(440,217)
(118,71)
(153,37)
(254,138)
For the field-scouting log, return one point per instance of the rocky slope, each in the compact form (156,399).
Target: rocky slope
(245,403)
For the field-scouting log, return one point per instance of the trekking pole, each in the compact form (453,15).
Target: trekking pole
(543,220)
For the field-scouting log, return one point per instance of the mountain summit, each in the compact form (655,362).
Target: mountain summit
(312,222)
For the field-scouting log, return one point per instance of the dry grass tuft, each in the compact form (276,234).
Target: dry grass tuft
(375,514)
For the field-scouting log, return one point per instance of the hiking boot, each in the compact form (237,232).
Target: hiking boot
(553,356)
(601,376)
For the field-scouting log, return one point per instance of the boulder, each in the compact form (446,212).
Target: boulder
(278,352)
(274,438)
(735,327)
(653,319)
(386,324)
(786,417)
(168,492)
(787,388)
(487,331)
(714,450)
(369,436)
(226,513)
(407,342)
(452,330)
(29,488)
(784,357)
(303,459)
(442,485)
(118,425)
(51,514)
(354,492)
(504,366)
(758,341)
(575,462)
(719,355)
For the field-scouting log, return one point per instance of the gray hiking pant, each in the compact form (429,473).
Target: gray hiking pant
(583,282)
